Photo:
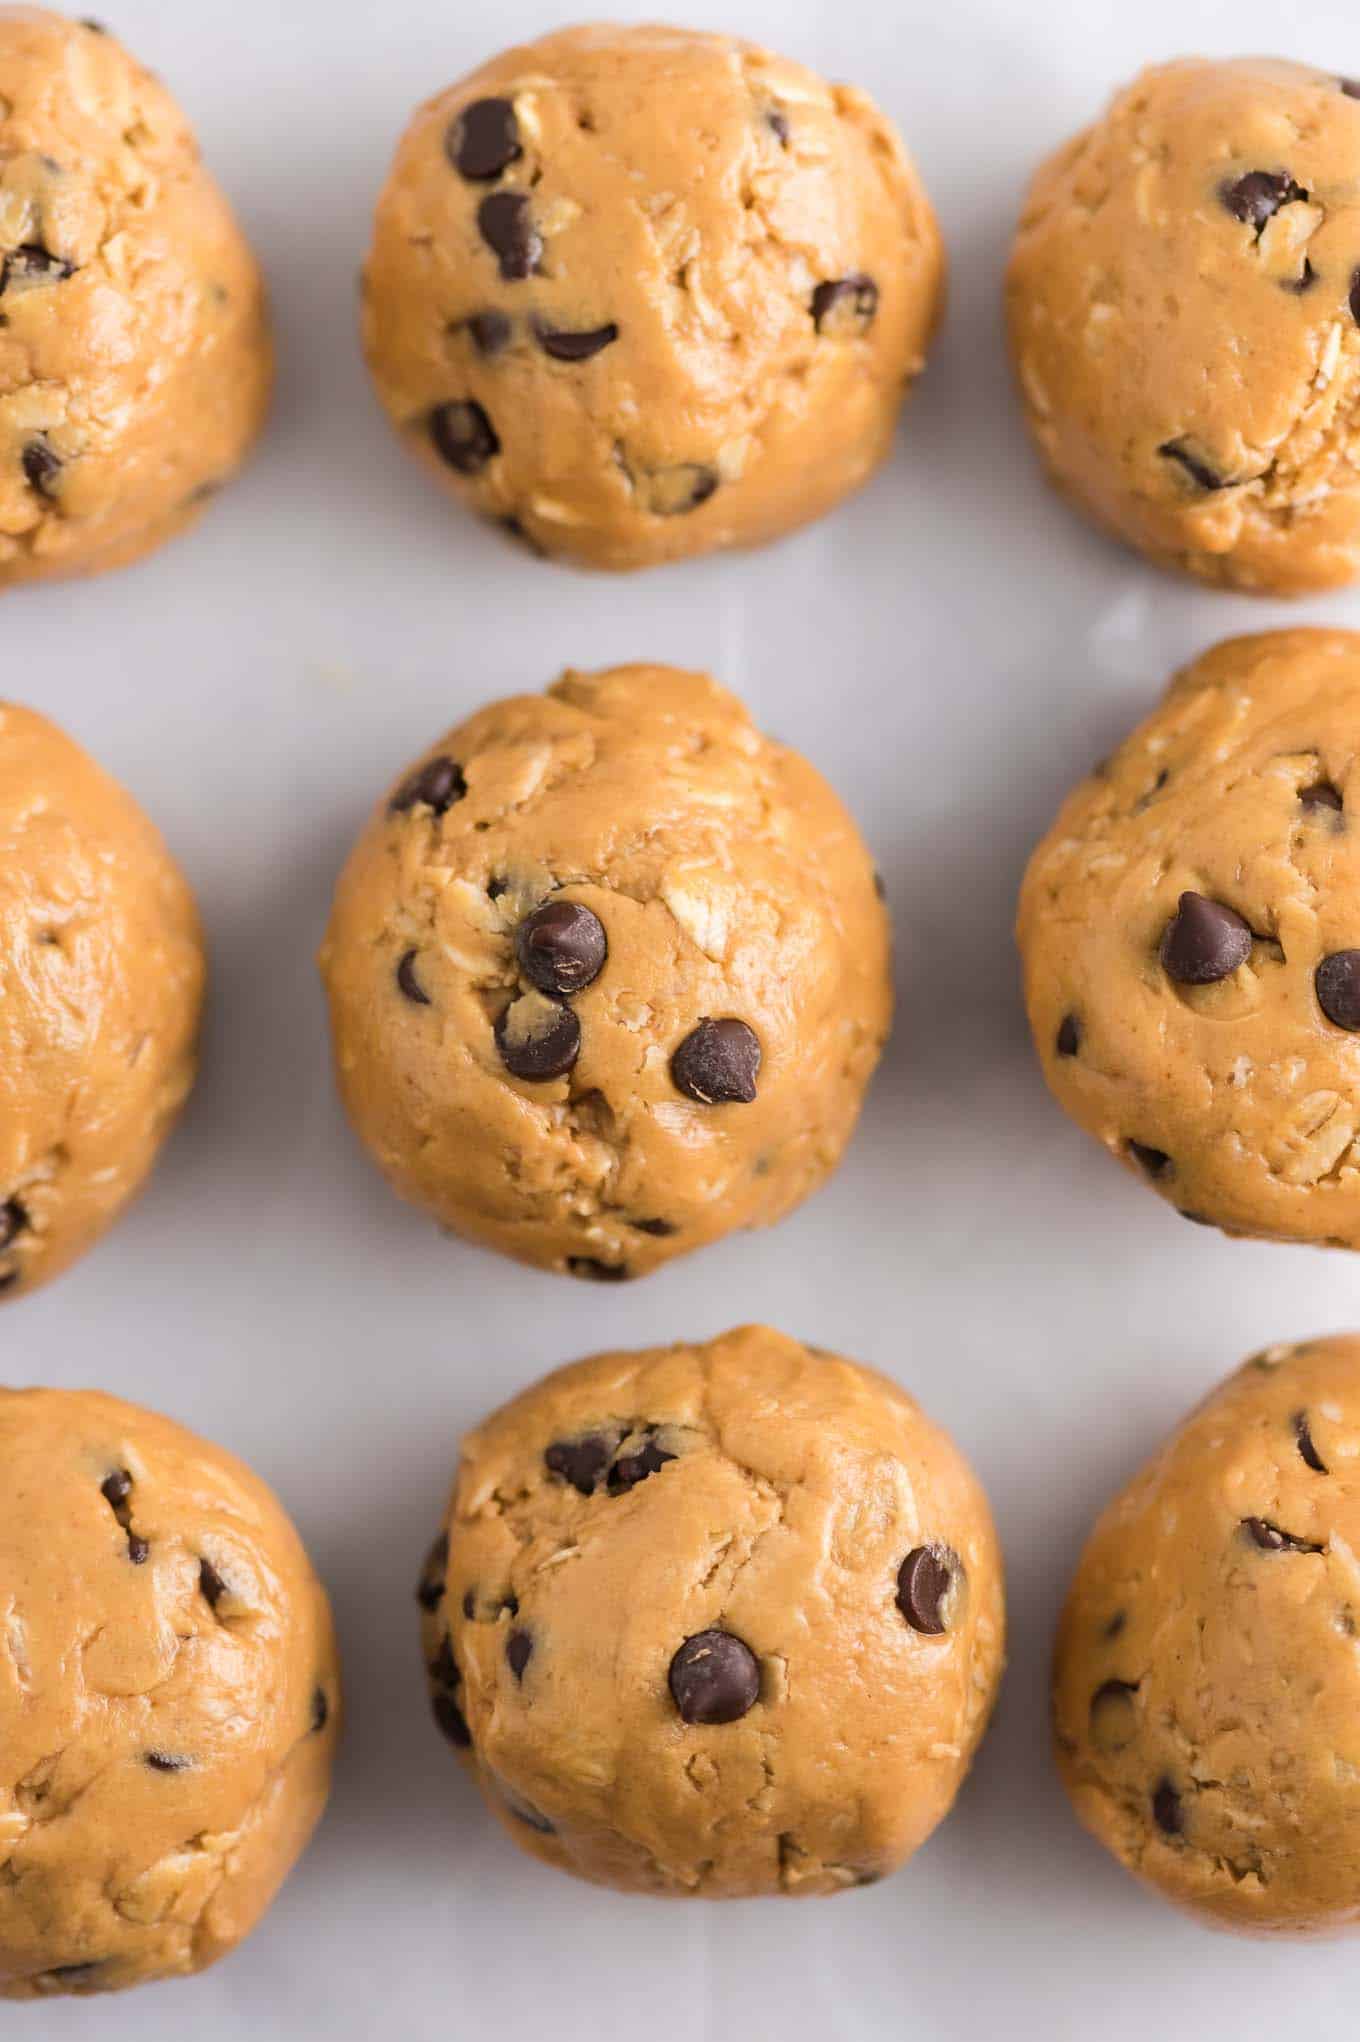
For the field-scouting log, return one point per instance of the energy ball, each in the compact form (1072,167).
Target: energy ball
(1191,936)
(719,1620)
(169,1696)
(608,973)
(101,986)
(135,359)
(1207,1681)
(1184,304)
(640,293)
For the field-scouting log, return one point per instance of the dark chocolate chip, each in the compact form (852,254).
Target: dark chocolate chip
(1350,86)
(880,885)
(13,1221)
(469,1603)
(116,1488)
(490,331)
(564,345)
(73,1976)
(1304,281)
(450,1718)
(924,1581)
(582,1462)
(1204,942)
(845,305)
(1196,1219)
(138,1550)
(409,983)
(717,1064)
(1258,196)
(506,225)
(496,887)
(714,1678)
(538,1039)
(42,465)
(95,27)
(525,1812)
(167,1761)
(519,1650)
(443,1668)
(1195,466)
(1155,1162)
(1354,298)
(321,1710)
(630,1469)
(674,492)
(661,1230)
(1322,795)
(211,1586)
(1167,1812)
(463,436)
(1308,1452)
(591,1270)
(778,124)
(430,1587)
(483,140)
(8,1279)
(561,947)
(1271,1539)
(1069,1035)
(437,785)
(31,264)
(1337,984)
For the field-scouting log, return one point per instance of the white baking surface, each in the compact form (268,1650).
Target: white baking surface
(952,649)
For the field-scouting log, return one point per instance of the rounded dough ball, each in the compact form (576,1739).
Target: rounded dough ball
(608,974)
(1184,305)
(1191,937)
(101,986)
(169,1696)
(641,293)
(135,359)
(1207,1701)
(718,1620)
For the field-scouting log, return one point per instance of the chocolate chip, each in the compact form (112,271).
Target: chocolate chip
(1112,1719)
(714,1678)
(73,1976)
(565,346)
(630,1469)
(661,1230)
(443,1668)
(1155,1162)
(463,436)
(1354,299)
(539,1039)
(591,1270)
(1271,1539)
(674,492)
(13,1221)
(31,264)
(519,1650)
(525,1812)
(1258,196)
(138,1550)
(483,140)
(409,983)
(450,1718)
(582,1462)
(506,225)
(167,1761)
(1069,1035)
(924,1582)
(1117,1624)
(42,465)
(1308,1452)
(490,332)
(1166,1809)
(1195,466)
(496,887)
(1204,942)
(211,1586)
(1322,795)
(1304,281)
(880,886)
(717,1064)
(116,1488)
(8,1279)
(561,947)
(437,785)
(1337,984)
(430,1587)
(1350,86)
(845,306)
(778,124)
(321,1710)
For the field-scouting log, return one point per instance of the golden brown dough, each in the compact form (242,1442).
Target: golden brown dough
(101,985)
(716,1620)
(640,292)
(608,974)
(1184,302)
(135,360)
(169,1696)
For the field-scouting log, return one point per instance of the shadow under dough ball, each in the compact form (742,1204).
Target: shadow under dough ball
(772,1645)
(1184,308)
(1190,929)
(608,975)
(169,1701)
(101,986)
(640,293)
(1207,1686)
(135,359)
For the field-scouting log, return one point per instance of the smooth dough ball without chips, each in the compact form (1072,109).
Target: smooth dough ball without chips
(1184,300)
(135,360)
(1207,1679)
(719,1620)
(169,1696)
(1191,937)
(641,293)
(608,974)
(101,985)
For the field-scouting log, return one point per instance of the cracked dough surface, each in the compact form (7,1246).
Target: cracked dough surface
(1238,1100)
(101,985)
(729,883)
(781,1493)
(1207,1684)
(135,360)
(695,194)
(1187,344)
(169,1696)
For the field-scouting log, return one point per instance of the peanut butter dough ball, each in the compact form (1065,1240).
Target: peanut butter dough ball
(1191,937)
(1207,1680)
(169,1696)
(608,974)
(1184,302)
(720,1620)
(135,359)
(641,293)
(101,984)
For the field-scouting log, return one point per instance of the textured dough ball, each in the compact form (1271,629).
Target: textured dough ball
(641,293)
(1191,937)
(1184,305)
(168,1696)
(1207,1682)
(608,974)
(135,360)
(715,1620)
(101,985)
